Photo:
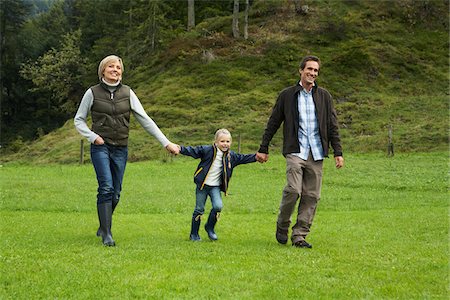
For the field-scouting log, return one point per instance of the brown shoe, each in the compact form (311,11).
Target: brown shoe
(281,235)
(302,244)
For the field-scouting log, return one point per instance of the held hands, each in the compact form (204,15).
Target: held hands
(173,148)
(262,157)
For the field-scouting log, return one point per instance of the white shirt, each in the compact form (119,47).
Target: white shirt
(215,172)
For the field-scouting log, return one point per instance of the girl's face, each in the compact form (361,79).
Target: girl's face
(113,71)
(223,142)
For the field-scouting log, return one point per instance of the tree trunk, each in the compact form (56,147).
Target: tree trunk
(191,15)
(235,24)
(246,19)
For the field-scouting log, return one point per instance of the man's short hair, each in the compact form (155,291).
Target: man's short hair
(309,58)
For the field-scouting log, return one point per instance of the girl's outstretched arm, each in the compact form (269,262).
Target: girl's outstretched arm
(195,152)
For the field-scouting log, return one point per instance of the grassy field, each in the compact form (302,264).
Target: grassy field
(381,232)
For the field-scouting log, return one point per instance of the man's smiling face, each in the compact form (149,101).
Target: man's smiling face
(309,73)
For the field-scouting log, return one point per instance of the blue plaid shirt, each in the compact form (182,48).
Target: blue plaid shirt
(308,131)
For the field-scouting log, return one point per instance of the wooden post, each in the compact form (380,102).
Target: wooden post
(390,144)
(81,152)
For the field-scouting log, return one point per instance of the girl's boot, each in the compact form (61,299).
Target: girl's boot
(209,226)
(196,219)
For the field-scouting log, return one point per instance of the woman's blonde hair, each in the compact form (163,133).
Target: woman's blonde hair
(102,65)
(220,132)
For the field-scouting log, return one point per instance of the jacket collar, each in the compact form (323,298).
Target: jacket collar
(299,87)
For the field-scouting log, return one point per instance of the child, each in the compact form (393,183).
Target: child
(212,176)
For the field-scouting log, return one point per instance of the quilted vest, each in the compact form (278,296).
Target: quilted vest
(111,113)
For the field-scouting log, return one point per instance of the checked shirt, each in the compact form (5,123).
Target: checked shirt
(308,131)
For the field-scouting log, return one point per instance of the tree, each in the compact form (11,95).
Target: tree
(235,25)
(59,75)
(154,24)
(13,14)
(191,15)
(43,31)
(247,5)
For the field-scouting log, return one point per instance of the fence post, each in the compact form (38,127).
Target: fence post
(81,151)
(390,144)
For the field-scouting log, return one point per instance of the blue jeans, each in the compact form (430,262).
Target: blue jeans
(200,199)
(109,164)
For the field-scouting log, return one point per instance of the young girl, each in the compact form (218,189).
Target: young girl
(212,176)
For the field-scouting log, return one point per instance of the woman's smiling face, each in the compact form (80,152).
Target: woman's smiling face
(113,71)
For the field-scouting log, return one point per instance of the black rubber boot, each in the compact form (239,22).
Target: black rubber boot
(114,204)
(209,226)
(105,215)
(194,228)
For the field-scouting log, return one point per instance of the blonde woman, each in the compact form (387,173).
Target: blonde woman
(110,104)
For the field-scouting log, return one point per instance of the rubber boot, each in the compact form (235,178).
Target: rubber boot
(196,219)
(104,210)
(114,204)
(209,226)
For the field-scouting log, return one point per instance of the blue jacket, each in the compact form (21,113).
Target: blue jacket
(207,154)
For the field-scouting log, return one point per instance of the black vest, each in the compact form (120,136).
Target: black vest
(111,113)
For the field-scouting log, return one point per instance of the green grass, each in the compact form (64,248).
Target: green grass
(381,232)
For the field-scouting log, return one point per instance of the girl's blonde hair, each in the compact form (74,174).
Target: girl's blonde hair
(102,65)
(220,132)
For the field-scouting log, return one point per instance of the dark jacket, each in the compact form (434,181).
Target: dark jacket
(207,154)
(111,113)
(285,111)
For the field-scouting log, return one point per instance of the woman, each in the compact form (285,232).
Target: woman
(110,103)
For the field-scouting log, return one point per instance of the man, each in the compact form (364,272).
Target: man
(310,126)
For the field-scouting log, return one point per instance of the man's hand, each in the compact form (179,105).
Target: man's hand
(262,157)
(339,161)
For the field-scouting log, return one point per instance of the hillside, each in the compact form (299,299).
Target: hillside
(385,63)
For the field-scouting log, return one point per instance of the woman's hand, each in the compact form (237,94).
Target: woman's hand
(99,141)
(173,148)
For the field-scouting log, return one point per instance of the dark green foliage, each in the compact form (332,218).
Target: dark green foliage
(58,75)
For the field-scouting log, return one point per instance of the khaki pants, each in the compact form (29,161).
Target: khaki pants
(304,181)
